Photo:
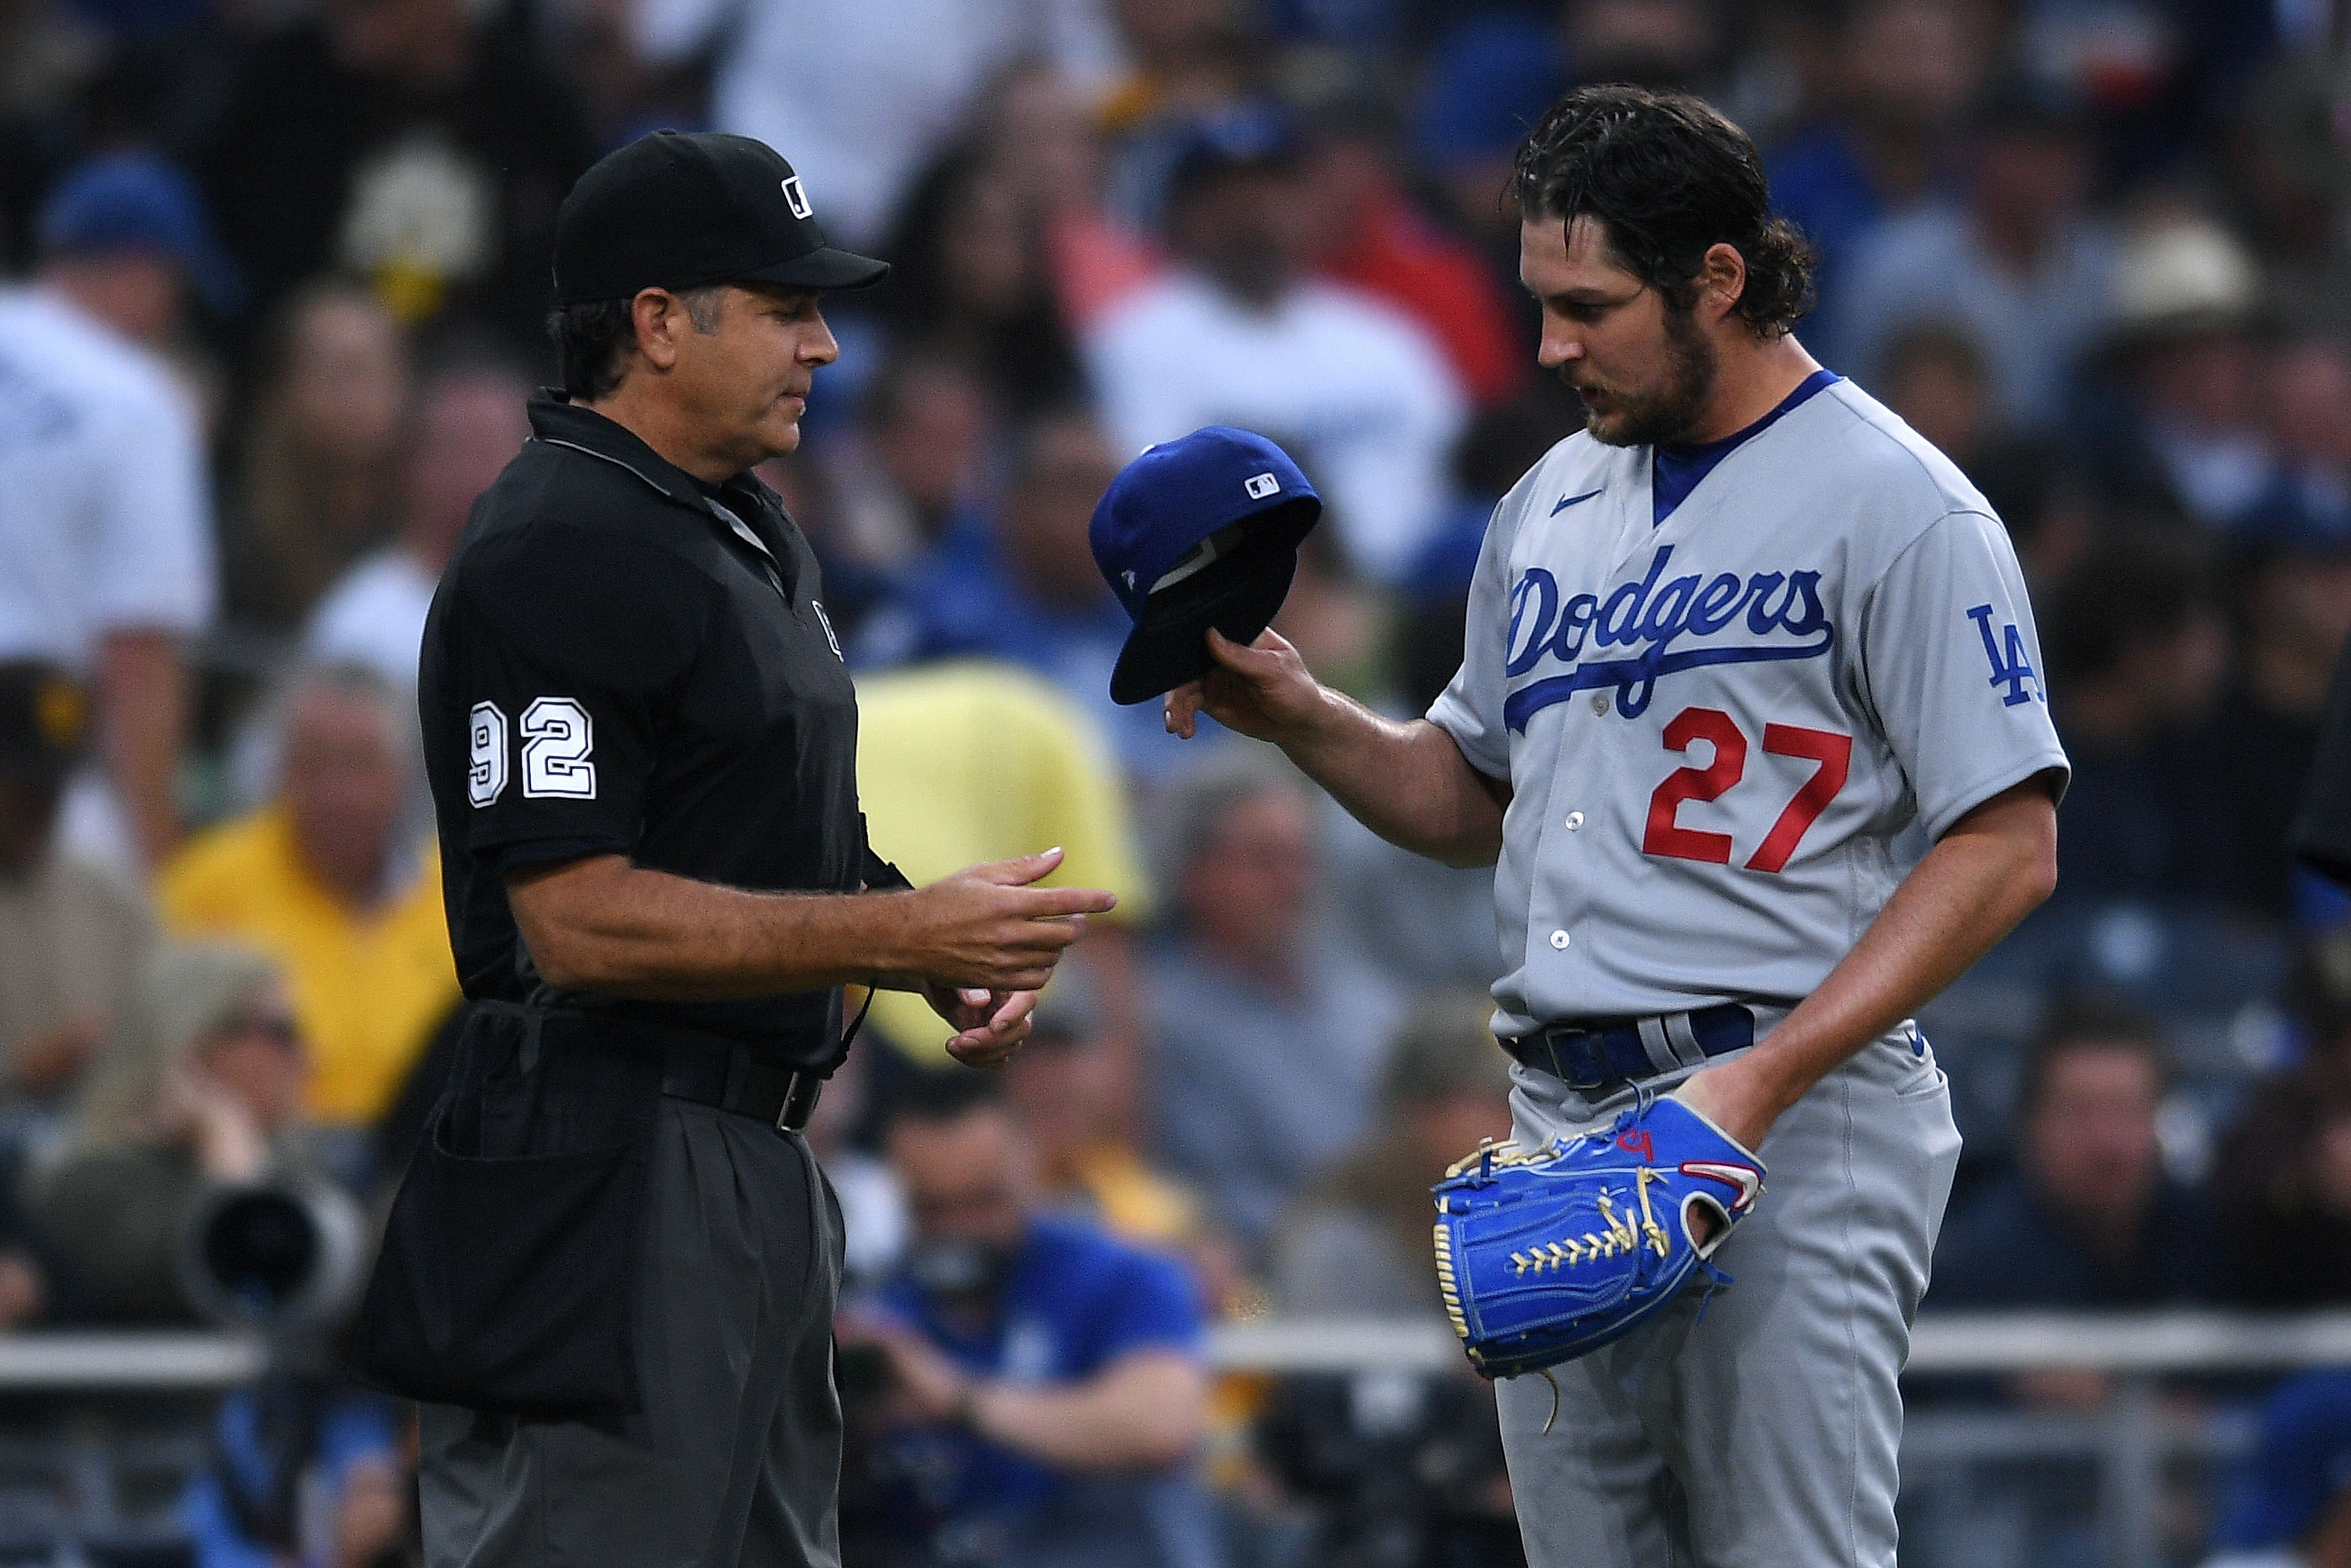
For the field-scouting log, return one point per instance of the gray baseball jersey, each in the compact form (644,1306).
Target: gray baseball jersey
(1717,726)
(1720,719)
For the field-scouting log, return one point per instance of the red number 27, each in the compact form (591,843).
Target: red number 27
(1667,837)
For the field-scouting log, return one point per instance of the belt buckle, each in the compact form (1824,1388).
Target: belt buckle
(1594,1072)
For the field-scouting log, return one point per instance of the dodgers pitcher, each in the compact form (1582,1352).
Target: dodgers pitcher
(1750,720)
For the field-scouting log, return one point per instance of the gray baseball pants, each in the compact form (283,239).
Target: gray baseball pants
(1761,1426)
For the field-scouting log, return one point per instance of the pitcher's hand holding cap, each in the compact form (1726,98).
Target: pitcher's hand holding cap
(1197,533)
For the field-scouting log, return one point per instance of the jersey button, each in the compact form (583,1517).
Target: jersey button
(1574,821)
(1600,702)
(1558,939)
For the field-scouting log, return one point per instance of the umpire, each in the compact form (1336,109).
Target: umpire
(609,1274)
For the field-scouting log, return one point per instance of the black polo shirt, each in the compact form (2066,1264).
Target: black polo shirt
(622,661)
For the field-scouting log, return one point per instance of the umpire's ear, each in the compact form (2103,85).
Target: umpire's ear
(662,320)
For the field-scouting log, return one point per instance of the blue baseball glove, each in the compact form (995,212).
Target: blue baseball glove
(1549,1254)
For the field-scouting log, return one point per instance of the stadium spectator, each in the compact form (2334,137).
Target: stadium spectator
(1937,379)
(2309,398)
(2088,1218)
(418,144)
(2137,652)
(199,1089)
(864,94)
(1045,1384)
(2292,1506)
(1374,238)
(967,758)
(128,236)
(1016,582)
(1894,77)
(316,481)
(468,422)
(916,460)
(1077,1105)
(1045,141)
(1356,1244)
(107,526)
(2294,611)
(329,880)
(2177,428)
(2282,1173)
(2018,260)
(71,937)
(970,278)
(1266,1029)
(1238,334)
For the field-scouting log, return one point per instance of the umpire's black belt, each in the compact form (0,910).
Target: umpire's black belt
(1587,1057)
(697,1066)
(710,1070)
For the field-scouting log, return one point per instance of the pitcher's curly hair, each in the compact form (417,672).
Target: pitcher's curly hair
(1670,178)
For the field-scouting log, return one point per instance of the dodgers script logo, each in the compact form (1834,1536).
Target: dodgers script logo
(1648,618)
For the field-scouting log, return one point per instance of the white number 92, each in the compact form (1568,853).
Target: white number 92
(556,738)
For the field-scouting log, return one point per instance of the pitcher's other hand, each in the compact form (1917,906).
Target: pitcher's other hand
(1262,690)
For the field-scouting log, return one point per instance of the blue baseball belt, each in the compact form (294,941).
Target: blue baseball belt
(1585,1058)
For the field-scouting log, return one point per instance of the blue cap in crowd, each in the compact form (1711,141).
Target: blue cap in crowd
(2301,1463)
(1240,136)
(136,202)
(1198,532)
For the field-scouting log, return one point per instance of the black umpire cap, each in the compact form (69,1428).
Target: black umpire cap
(678,210)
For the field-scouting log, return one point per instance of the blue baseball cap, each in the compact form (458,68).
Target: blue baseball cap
(136,202)
(1198,532)
(2301,1463)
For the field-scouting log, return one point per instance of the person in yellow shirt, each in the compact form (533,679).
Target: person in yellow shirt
(327,880)
(969,760)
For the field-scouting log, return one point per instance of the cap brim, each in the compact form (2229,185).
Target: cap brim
(824,267)
(1170,644)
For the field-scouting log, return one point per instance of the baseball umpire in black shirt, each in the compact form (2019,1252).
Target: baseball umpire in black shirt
(609,1274)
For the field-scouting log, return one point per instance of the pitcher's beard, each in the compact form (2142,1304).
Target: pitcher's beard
(1665,417)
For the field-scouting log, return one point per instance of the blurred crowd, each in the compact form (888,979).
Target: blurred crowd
(279,274)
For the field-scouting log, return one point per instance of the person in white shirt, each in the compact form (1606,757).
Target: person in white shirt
(864,94)
(1238,334)
(469,423)
(105,538)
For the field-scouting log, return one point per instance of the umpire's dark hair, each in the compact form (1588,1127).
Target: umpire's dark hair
(1670,178)
(2085,1021)
(591,343)
(592,338)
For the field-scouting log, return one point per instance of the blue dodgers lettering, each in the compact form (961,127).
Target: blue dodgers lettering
(1652,616)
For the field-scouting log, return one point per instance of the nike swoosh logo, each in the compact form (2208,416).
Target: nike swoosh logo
(1567,501)
(1747,1183)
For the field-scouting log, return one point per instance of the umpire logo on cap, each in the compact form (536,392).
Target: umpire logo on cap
(796,197)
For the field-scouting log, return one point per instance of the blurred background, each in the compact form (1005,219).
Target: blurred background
(277,275)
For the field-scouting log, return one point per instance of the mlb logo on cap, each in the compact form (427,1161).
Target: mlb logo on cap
(1196,533)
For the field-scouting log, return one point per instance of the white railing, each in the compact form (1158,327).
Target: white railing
(2130,1437)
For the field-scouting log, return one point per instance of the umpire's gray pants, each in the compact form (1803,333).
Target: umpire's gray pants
(1766,1433)
(734,1460)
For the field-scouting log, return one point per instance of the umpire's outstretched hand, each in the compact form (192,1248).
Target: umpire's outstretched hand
(986,928)
(1263,690)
